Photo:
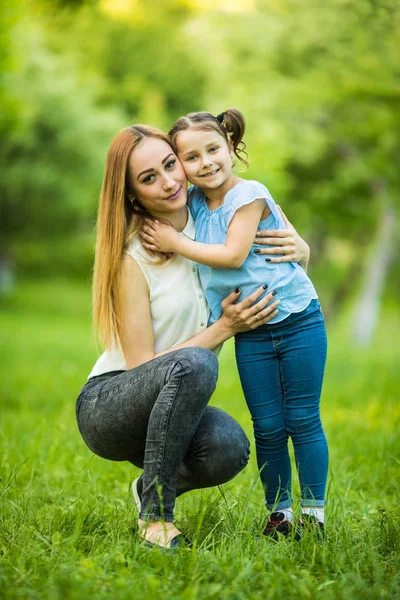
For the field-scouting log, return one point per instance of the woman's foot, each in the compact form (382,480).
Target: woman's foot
(161,533)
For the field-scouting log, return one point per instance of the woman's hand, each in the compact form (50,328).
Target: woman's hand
(289,245)
(158,237)
(248,314)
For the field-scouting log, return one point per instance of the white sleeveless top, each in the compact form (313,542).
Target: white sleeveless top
(177,302)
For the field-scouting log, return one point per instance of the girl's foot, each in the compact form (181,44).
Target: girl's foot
(163,534)
(312,524)
(277,525)
(312,519)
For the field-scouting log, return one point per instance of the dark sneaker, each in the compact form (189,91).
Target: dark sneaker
(278,524)
(311,524)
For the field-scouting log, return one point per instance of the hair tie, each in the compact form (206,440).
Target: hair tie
(220,117)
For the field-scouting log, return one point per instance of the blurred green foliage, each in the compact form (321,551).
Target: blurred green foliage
(318,83)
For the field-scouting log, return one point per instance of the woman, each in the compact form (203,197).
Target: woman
(146,398)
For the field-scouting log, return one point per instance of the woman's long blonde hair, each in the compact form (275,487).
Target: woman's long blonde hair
(119,217)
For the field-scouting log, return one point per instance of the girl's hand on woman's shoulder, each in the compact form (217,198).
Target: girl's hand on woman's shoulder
(158,237)
(290,247)
(248,314)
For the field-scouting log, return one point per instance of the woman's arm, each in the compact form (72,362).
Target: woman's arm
(136,330)
(289,245)
(231,255)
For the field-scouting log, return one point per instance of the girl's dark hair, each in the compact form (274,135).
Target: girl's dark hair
(230,124)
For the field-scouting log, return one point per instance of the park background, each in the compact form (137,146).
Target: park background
(319,84)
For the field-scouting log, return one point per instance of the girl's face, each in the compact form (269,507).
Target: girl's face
(205,156)
(157,177)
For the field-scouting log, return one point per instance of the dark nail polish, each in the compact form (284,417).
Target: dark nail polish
(237,290)
(274,292)
(265,286)
(267,260)
(257,251)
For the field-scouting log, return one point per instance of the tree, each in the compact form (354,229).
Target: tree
(54,139)
(322,98)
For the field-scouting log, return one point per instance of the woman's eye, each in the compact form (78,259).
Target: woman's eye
(149,178)
(171,164)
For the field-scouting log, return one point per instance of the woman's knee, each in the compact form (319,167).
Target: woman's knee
(198,364)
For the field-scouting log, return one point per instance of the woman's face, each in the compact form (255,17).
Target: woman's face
(157,177)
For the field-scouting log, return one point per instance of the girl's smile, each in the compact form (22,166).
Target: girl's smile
(211,173)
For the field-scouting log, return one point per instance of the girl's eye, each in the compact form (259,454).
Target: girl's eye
(149,178)
(191,157)
(171,164)
(214,148)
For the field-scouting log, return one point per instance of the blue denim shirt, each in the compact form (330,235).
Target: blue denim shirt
(294,289)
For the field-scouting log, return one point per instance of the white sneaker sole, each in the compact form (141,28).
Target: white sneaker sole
(135,493)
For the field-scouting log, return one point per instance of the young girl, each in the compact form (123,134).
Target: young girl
(281,364)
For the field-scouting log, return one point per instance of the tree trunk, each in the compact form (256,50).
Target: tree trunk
(368,302)
(7,275)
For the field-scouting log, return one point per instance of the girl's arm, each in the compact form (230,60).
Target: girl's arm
(231,255)
(136,330)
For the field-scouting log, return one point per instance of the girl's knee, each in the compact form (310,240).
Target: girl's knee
(268,431)
(300,425)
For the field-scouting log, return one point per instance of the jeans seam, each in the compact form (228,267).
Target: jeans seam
(169,412)
(289,487)
(159,468)
(303,489)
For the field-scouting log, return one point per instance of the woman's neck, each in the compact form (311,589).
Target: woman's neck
(178,218)
(215,197)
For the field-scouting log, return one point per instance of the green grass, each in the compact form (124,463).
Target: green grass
(66,515)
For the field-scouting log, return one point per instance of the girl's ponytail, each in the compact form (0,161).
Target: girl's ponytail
(234,123)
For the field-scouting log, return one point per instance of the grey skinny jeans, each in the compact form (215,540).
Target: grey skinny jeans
(156,417)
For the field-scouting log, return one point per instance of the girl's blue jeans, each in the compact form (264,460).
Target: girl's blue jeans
(281,367)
